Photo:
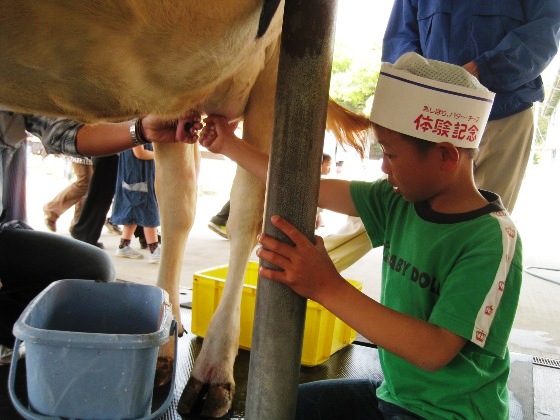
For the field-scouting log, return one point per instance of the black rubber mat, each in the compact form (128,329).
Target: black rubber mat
(353,361)
(350,362)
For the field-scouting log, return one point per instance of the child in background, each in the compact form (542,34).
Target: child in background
(325,170)
(452,263)
(135,201)
(326,164)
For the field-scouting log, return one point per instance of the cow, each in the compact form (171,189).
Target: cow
(120,59)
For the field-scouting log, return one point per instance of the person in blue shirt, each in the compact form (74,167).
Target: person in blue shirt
(506,45)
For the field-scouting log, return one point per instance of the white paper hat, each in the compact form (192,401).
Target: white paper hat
(431,100)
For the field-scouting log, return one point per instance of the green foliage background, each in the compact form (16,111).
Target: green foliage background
(354,76)
(353,80)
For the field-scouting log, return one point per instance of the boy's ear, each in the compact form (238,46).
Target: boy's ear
(449,155)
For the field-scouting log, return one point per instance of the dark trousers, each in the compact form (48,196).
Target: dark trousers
(31,260)
(355,399)
(98,200)
(223,215)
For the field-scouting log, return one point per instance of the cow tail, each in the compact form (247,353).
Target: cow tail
(348,127)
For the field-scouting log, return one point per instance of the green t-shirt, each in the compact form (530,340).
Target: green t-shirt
(461,272)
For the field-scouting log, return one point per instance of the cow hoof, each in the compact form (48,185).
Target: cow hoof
(164,371)
(215,399)
(218,401)
(189,396)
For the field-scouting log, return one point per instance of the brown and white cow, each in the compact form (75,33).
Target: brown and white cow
(119,59)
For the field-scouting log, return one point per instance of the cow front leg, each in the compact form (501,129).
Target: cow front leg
(213,368)
(176,191)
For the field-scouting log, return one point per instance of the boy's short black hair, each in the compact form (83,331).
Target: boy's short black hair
(424,145)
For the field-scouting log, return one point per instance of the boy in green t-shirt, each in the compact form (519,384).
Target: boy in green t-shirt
(452,267)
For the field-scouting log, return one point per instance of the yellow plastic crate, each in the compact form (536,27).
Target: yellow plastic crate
(323,335)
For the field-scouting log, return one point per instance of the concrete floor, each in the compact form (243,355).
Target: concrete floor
(537,326)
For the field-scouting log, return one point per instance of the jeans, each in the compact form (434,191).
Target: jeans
(31,260)
(345,399)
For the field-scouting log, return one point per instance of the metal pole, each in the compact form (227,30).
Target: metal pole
(292,191)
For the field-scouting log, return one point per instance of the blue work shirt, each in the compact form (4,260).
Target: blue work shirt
(511,41)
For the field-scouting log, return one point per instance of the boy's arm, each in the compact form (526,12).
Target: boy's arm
(425,345)
(334,195)
(308,270)
(218,136)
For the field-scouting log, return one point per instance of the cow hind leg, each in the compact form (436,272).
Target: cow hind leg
(212,374)
(176,191)
(213,368)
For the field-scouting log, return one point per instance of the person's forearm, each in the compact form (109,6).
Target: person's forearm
(104,139)
(246,156)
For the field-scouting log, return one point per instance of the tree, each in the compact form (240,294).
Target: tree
(354,76)
(353,81)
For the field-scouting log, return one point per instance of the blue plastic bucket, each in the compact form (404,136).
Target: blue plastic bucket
(91,350)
